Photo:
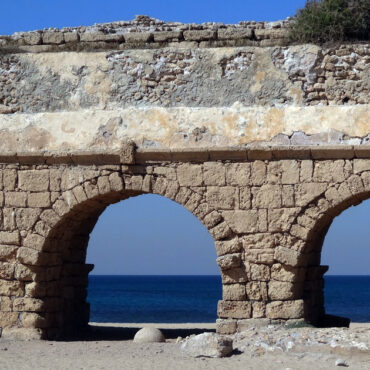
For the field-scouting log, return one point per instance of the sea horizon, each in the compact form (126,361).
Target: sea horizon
(193,298)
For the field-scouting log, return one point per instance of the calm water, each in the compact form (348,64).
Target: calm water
(194,298)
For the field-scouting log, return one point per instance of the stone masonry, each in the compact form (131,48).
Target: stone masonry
(263,141)
(268,214)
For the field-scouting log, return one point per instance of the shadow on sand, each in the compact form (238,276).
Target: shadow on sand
(111,333)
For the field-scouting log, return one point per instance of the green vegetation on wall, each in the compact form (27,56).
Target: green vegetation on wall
(332,20)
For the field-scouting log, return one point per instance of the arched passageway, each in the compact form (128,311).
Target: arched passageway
(154,262)
(346,251)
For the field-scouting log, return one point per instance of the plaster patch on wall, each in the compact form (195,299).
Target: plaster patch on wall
(239,62)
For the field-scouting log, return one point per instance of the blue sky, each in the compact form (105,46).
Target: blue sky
(150,234)
(26,15)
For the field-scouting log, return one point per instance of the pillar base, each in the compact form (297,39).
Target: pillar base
(232,326)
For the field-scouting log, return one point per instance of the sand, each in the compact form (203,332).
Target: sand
(110,347)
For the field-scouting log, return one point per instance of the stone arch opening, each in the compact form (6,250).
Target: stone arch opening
(149,245)
(52,258)
(320,216)
(346,252)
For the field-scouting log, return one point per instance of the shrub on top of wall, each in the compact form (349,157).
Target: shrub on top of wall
(332,20)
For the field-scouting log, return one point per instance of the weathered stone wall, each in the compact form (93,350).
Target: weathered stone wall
(263,141)
(268,217)
(175,77)
(146,32)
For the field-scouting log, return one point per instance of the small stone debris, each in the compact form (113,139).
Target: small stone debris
(341,362)
(207,345)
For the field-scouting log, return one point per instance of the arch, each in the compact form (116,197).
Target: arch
(311,227)
(53,254)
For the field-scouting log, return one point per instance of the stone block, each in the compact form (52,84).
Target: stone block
(256,291)
(291,274)
(199,35)
(214,174)
(6,304)
(15,199)
(258,173)
(11,288)
(285,309)
(290,174)
(287,196)
(226,327)
(138,37)
(193,202)
(258,241)
(34,241)
(190,175)
(361,165)
(27,273)
(26,218)
(222,197)
(221,231)
(39,200)
(91,190)
(103,184)
(49,37)
(229,261)
(233,292)
(282,290)
(9,237)
(258,272)
(71,37)
(61,207)
(228,246)
(7,252)
(80,194)
(6,271)
(22,334)
(33,320)
(50,217)
(306,171)
(267,196)
(234,33)
(28,304)
(9,179)
(163,36)
(33,180)
(159,185)
(244,221)
(32,38)
(8,319)
(287,256)
(281,219)
(35,290)
(234,309)
(245,198)
(238,174)
(234,275)
(307,192)
(258,310)
(100,36)
(28,256)
(265,256)
(168,172)
(212,219)
(300,232)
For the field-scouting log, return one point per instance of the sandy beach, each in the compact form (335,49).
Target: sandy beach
(110,346)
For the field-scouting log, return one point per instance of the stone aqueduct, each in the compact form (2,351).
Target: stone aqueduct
(263,142)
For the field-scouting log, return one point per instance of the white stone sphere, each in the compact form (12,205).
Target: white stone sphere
(149,335)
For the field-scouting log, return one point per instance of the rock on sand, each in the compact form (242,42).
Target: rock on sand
(207,345)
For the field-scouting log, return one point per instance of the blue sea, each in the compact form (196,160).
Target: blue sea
(186,299)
